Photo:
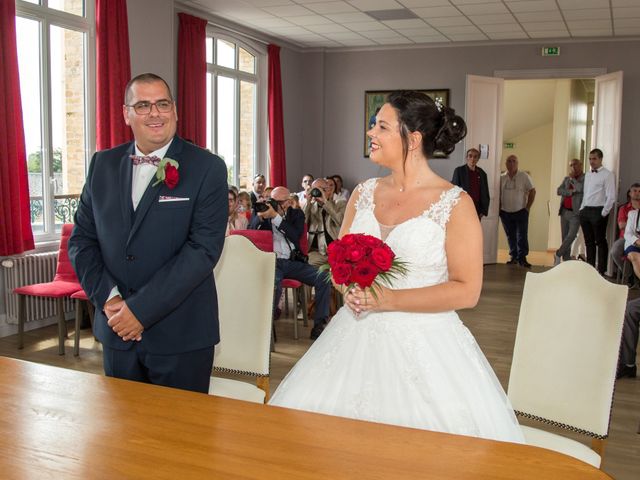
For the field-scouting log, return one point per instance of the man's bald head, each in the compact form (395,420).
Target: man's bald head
(280,194)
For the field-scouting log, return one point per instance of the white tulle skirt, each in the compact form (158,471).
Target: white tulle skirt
(415,370)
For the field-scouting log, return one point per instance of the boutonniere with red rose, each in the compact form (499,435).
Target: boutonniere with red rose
(167,172)
(363,260)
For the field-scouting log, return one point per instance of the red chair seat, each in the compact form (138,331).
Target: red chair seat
(291,283)
(50,289)
(80,295)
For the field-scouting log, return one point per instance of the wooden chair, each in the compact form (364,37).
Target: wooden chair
(244,281)
(565,357)
(64,284)
(81,300)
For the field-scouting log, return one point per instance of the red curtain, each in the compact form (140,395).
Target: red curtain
(113,71)
(278,165)
(192,79)
(15,222)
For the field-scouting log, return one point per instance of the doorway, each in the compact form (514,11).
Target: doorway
(547,122)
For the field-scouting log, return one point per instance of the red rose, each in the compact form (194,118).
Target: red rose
(369,241)
(336,253)
(171,176)
(349,239)
(382,257)
(364,274)
(341,273)
(355,253)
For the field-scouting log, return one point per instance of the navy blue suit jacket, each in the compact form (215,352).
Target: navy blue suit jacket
(161,256)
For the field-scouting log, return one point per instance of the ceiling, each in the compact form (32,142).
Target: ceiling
(371,23)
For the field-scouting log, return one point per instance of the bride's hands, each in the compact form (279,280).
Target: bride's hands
(362,300)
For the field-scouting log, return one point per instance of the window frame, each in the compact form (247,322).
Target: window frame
(48,17)
(259,79)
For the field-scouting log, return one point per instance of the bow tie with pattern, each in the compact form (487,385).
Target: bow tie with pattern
(146,160)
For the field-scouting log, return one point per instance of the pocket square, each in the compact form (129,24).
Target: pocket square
(164,198)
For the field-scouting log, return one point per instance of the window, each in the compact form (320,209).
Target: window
(53,59)
(232,107)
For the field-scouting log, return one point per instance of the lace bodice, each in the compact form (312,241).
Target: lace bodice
(419,241)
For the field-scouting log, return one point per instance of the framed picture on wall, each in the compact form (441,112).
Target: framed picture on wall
(374,99)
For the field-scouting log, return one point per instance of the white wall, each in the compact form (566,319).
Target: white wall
(348,74)
(153,38)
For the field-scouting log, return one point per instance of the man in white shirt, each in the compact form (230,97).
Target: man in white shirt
(307,180)
(597,202)
(516,197)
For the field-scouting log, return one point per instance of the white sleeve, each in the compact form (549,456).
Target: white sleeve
(610,194)
(630,233)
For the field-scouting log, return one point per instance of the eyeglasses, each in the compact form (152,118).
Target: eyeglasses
(144,108)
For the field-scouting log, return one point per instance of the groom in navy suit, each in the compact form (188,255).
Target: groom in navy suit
(148,231)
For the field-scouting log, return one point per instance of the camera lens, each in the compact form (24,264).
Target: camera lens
(315,192)
(261,207)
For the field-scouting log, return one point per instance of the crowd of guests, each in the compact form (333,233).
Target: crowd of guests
(315,212)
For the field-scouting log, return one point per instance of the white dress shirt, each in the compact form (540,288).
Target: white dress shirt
(281,246)
(514,192)
(599,190)
(632,230)
(141,176)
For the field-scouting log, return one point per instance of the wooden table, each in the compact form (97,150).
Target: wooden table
(64,424)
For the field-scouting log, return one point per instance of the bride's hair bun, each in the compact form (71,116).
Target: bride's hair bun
(439,125)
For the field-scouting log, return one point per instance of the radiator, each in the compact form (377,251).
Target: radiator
(27,270)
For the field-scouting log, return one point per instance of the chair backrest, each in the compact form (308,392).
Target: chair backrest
(263,239)
(244,280)
(566,348)
(64,269)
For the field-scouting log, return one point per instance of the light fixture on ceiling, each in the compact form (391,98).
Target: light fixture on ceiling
(395,14)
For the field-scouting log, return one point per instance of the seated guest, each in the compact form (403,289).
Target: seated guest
(632,241)
(237,220)
(307,180)
(633,203)
(295,201)
(323,214)
(244,204)
(259,184)
(628,349)
(287,225)
(340,190)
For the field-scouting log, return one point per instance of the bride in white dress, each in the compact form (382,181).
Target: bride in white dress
(404,357)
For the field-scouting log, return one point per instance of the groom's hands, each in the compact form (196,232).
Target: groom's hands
(122,321)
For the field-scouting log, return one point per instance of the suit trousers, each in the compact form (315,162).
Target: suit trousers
(569,226)
(309,275)
(628,349)
(516,227)
(594,227)
(187,371)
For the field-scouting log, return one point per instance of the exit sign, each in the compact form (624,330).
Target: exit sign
(550,51)
(509,145)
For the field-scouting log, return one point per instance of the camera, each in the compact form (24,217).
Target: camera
(297,256)
(315,192)
(264,206)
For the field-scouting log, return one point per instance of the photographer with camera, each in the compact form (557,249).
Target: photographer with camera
(287,225)
(323,214)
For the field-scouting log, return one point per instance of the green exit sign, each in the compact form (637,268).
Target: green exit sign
(509,145)
(550,51)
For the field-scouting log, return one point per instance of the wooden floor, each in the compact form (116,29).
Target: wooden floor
(493,322)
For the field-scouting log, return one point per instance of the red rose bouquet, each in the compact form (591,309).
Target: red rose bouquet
(363,260)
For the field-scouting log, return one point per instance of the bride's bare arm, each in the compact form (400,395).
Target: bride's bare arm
(463,246)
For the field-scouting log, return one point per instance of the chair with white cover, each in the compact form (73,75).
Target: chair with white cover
(244,280)
(565,357)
